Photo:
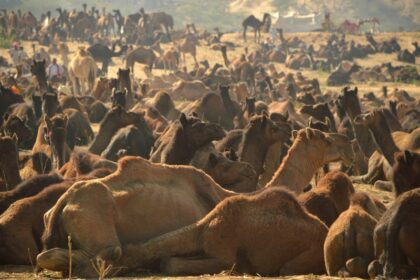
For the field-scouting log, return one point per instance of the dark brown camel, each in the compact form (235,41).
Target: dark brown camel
(257,25)
(101,53)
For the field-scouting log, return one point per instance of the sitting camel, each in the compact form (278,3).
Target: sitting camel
(82,70)
(250,233)
(348,248)
(329,198)
(310,150)
(178,195)
(9,163)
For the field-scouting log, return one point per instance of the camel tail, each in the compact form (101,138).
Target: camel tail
(186,240)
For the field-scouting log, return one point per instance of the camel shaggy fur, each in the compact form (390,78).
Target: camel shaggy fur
(253,233)
(348,248)
(82,69)
(160,198)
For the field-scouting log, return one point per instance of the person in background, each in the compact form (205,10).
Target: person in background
(55,72)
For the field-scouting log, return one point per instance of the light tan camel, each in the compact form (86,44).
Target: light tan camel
(310,150)
(82,70)
(188,45)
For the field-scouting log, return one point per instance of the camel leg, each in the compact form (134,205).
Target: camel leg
(244,34)
(82,86)
(309,261)
(193,266)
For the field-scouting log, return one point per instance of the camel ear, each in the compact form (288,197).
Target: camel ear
(125,91)
(408,157)
(232,155)
(286,115)
(309,133)
(310,121)
(264,119)
(294,134)
(328,122)
(6,117)
(212,160)
(356,90)
(183,119)
(66,120)
(14,138)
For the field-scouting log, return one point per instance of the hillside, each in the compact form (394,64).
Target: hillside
(228,14)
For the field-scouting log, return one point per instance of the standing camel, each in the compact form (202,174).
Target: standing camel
(257,25)
(82,69)
(140,55)
(188,45)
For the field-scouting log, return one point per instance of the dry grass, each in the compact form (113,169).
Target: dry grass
(405,39)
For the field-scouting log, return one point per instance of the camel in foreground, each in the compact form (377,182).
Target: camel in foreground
(348,248)
(135,207)
(251,233)
(82,70)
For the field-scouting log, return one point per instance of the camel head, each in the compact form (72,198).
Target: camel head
(119,97)
(334,146)
(349,101)
(230,173)
(56,135)
(322,126)
(50,104)
(8,150)
(14,125)
(406,171)
(269,132)
(319,111)
(38,70)
(199,133)
(374,118)
(364,201)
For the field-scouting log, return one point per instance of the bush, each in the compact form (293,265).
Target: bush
(6,41)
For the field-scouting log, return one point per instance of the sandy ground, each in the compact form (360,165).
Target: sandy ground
(405,39)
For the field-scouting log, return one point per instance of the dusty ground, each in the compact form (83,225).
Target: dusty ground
(405,39)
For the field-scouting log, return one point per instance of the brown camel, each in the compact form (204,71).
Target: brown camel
(405,173)
(82,69)
(329,198)
(228,172)
(348,248)
(188,45)
(250,233)
(179,143)
(140,55)
(9,163)
(396,239)
(178,195)
(381,161)
(115,119)
(260,133)
(310,150)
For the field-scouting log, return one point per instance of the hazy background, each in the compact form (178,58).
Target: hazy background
(228,14)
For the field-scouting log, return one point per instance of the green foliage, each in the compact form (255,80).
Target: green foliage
(6,41)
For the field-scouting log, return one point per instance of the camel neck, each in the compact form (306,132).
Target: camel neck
(292,173)
(11,175)
(384,141)
(253,151)
(364,139)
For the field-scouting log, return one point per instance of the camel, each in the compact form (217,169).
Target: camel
(320,111)
(396,239)
(102,89)
(82,163)
(159,19)
(27,188)
(140,55)
(51,140)
(233,235)
(240,69)
(257,25)
(188,45)
(210,107)
(380,163)
(171,191)
(170,58)
(163,102)
(82,70)
(9,163)
(101,53)
(348,248)
(188,90)
(310,150)
(228,172)
(13,124)
(115,119)
(329,198)
(132,140)
(349,101)
(180,141)
(260,133)
(405,175)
